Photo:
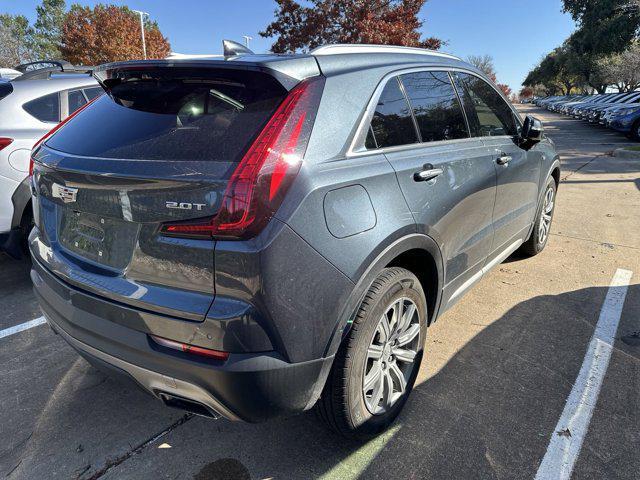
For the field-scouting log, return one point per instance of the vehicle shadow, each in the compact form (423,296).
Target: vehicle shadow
(490,410)
(487,413)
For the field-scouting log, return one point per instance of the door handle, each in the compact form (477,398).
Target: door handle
(504,159)
(427,173)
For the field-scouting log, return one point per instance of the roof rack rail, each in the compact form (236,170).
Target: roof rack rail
(344,48)
(43,69)
(40,64)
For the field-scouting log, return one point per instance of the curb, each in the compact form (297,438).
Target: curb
(622,153)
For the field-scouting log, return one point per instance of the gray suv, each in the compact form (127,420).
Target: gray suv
(254,235)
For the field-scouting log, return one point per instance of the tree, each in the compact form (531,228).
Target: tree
(381,22)
(484,63)
(48,29)
(562,70)
(622,69)
(108,33)
(506,89)
(587,59)
(604,26)
(526,92)
(16,40)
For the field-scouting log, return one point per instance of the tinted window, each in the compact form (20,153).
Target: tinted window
(487,112)
(76,100)
(392,123)
(370,141)
(435,105)
(92,93)
(5,88)
(202,114)
(45,109)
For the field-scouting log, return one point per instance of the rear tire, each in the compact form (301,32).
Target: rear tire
(378,362)
(635,131)
(544,217)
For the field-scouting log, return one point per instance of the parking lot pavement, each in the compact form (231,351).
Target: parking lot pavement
(493,388)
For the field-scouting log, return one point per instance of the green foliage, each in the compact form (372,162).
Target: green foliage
(605,26)
(16,40)
(48,26)
(559,71)
(588,58)
(21,42)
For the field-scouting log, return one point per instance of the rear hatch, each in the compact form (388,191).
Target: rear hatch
(158,148)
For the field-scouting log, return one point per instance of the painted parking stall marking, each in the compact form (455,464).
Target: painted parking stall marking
(567,437)
(22,327)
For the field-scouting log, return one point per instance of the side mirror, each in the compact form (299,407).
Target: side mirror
(532,130)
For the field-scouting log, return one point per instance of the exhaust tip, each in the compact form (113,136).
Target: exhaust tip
(188,405)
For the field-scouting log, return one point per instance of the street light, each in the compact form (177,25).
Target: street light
(144,46)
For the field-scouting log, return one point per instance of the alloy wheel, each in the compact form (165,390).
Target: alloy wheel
(391,356)
(545,216)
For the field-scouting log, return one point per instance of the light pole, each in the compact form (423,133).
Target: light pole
(246,40)
(144,46)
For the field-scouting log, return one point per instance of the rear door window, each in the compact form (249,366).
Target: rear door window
(488,114)
(45,109)
(76,100)
(92,93)
(435,105)
(174,114)
(392,124)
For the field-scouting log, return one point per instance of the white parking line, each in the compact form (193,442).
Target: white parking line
(22,327)
(567,438)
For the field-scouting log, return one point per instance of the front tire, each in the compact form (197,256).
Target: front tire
(544,217)
(377,364)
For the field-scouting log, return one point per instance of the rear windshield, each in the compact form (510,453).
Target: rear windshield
(174,114)
(5,88)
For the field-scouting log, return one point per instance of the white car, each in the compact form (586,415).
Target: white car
(30,106)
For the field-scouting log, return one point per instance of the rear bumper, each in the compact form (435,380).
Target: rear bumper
(248,387)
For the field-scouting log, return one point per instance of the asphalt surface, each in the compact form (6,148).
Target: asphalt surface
(497,372)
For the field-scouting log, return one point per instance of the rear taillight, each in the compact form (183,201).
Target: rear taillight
(265,173)
(185,347)
(55,129)
(5,142)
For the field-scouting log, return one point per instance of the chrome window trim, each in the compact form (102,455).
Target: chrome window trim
(357,146)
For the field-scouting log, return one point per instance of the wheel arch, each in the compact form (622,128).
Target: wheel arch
(419,254)
(555,171)
(21,200)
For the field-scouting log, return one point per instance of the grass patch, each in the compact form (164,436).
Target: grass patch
(634,149)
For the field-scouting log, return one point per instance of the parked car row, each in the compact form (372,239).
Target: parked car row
(32,102)
(618,111)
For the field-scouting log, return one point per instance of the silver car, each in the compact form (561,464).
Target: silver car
(30,106)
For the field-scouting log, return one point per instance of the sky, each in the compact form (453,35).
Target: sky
(516,33)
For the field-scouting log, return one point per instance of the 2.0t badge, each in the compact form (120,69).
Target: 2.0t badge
(185,205)
(67,194)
